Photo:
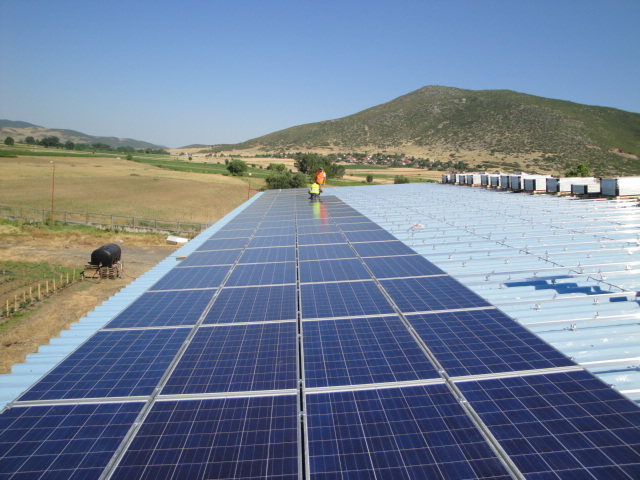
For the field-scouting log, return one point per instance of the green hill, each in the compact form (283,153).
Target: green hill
(501,122)
(21,130)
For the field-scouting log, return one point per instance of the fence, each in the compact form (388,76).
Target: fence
(104,222)
(36,292)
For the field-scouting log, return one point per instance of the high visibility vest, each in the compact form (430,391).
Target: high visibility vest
(315,188)
(321,177)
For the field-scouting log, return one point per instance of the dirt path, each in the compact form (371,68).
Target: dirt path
(23,335)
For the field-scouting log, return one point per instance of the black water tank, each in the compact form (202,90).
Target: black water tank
(106,256)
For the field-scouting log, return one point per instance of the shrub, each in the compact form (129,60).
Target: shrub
(401,179)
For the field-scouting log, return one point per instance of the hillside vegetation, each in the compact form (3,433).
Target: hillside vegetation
(553,134)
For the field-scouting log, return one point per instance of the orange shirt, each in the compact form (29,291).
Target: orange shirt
(321,177)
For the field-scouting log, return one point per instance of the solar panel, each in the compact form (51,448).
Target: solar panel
(232,438)
(412,432)
(369,236)
(478,342)
(361,351)
(210,258)
(262,274)
(254,304)
(112,364)
(164,309)
(431,293)
(382,249)
(274,241)
(401,266)
(333,270)
(223,243)
(342,299)
(566,425)
(325,251)
(238,358)
(192,277)
(320,238)
(62,441)
(273,254)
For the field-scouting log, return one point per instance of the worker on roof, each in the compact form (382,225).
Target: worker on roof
(321,176)
(314,191)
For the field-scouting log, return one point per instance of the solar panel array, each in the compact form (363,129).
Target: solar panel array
(301,340)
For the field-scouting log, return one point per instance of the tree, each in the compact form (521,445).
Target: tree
(9,141)
(30,140)
(401,179)
(51,141)
(237,167)
(277,167)
(69,145)
(369,178)
(579,170)
(284,179)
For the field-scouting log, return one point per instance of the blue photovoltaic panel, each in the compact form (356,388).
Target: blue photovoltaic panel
(348,217)
(563,425)
(223,244)
(320,238)
(273,254)
(236,226)
(315,229)
(271,231)
(262,274)
(477,342)
(192,277)
(369,236)
(365,226)
(275,241)
(233,233)
(431,293)
(207,258)
(333,270)
(238,358)
(254,304)
(401,266)
(231,438)
(289,223)
(112,364)
(164,309)
(62,441)
(343,299)
(382,249)
(325,252)
(360,351)
(416,433)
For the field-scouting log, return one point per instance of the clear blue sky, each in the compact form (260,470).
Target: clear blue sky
(223,71)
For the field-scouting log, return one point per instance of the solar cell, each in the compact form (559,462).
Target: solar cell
(112,364)
(382,249)
(362,226)
(342,299)
(273,254)
(562,425)
(333,270)
(314,229)
(401,266)
(271,231)
(254,304)
(325,251)
(478,342)
(163,309)
(210,258)
(262,274)
(431,293)
(361,351)
(235,233)
(413,432)
(238,358)
(231,438)
(192,277)
(62,441)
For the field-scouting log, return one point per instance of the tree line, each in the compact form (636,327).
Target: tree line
(54,142)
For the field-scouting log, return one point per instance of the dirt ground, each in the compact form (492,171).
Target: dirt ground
(23,335)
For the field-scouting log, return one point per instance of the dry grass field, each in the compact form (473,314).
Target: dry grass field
(118,187)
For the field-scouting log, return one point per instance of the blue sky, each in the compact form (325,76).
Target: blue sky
(223,71)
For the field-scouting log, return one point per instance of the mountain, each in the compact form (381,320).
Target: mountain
(500,122)
(21,130)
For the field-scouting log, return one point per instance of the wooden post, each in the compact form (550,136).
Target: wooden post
(15,303)
(30,293)
(54,284)
(39,292)
(67,278)
(7,308)
(47,287)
